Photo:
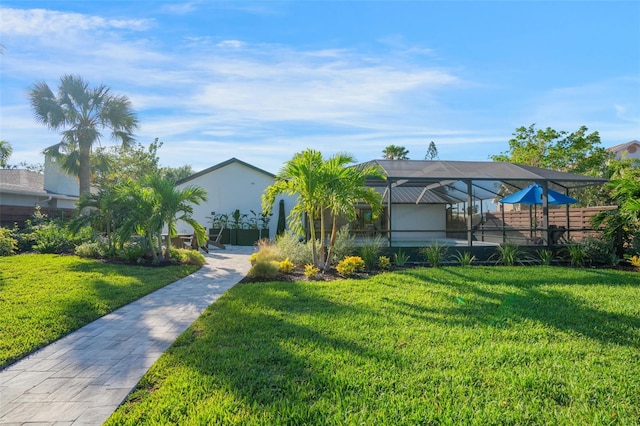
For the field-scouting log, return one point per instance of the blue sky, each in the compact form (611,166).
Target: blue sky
(262,80)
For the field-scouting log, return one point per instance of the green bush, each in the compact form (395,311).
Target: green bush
(344,244)
(8,244)
(92,250)
(134,251)
(350,265)
(187,257)
(435,254)
(509,254)
(384,262)
(290,246)
(599,251)
(400,258)
(370,251)
(52,238)
(545,256)
(577,254)
(265,270)
(464,259)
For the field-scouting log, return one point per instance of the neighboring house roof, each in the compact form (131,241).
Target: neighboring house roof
(20,181)
(631,147)
(449,180)
(221,165)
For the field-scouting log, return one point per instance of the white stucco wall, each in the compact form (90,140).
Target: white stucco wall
(418,217)
(57,181)
(234,186)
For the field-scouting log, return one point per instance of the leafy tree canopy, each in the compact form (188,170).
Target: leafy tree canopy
(577,152)
(134,162)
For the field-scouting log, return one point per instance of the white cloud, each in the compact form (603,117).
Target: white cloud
(42,22)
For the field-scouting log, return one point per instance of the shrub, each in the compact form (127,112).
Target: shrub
(310,271)
(599,251)
(187,257)
(289,246)
(384,262)
(266,253)
(370,251)
(509,254)
(435,254)
(8,244)
(286,266)
(400,258)
(93,250)
(350,265)
(344,244)
(265,270)
(577,254)
(545,256)
(132,252)
(464,259)
(52,238)
(635,261)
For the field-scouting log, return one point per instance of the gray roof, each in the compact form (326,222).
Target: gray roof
(21,181)
(449,180)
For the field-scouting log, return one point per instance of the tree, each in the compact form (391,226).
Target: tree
(5,153)
(432,152)
(347,187)
(321,186)
(82,113)
(622,226)
(393,152)
(576,152)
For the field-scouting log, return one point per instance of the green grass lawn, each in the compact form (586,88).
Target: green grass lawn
(44,297)
(478,345)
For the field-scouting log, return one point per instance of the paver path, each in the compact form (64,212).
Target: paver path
(82,378)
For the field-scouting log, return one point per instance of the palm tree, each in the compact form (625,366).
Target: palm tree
(321,186)
(173,204)
(5,153)
(82,113)
(393,152)
(347,187)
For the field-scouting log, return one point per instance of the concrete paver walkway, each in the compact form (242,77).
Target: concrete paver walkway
(82,378)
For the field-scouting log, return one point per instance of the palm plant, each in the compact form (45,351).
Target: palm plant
(393,152)
(301,176)
(82,113)
(5,153)
(173,205)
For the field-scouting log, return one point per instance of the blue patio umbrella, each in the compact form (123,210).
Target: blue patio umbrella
(532,195)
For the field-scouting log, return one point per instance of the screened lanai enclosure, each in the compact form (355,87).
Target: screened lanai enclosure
(456,203)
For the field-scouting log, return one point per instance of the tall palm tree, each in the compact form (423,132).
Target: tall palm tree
(322,186)
(82,113)
(393,152)
(346,188)
(301,176)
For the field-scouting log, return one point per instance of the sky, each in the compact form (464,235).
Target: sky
(262,80)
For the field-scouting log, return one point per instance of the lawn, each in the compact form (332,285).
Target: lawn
(476,345)
(44,297)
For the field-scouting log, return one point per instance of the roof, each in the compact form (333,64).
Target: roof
(450,180)
(26,182)
(624,146)
(220,166)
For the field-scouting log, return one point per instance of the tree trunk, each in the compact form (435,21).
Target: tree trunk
(84,173)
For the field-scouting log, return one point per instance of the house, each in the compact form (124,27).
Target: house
(232,185)
(626,150)
(22,190)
